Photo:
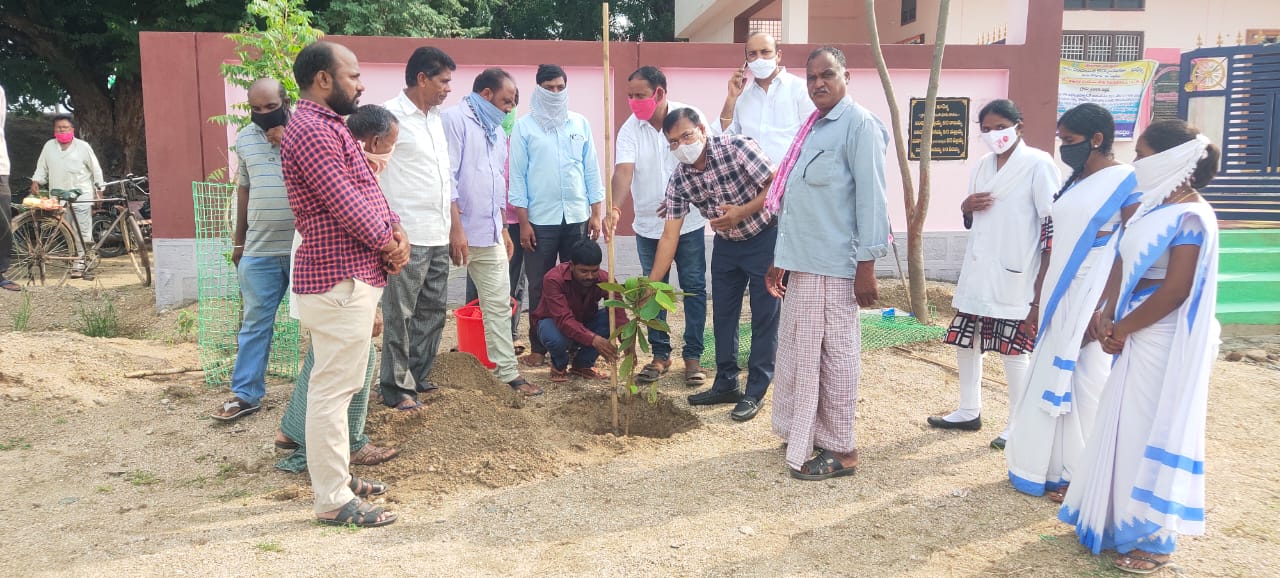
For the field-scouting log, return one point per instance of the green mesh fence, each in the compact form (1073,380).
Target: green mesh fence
(878,331)
(218,287)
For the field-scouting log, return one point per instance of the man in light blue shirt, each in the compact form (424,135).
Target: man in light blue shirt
(478,235)
(555,185)
(832,227)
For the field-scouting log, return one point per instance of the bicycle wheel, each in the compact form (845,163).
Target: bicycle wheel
(113,246)
(44,249)
(137,250)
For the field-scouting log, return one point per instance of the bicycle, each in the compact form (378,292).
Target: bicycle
(45,241)
(132,189)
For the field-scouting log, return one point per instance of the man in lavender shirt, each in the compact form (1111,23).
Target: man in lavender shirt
(478,236)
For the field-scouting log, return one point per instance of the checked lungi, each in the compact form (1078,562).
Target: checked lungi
(819,361)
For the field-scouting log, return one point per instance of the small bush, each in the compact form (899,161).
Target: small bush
(101,321)
(22,317)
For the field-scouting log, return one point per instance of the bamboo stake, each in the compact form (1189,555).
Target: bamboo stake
(608,194)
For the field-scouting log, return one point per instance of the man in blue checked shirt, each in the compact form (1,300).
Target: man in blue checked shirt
(555,185)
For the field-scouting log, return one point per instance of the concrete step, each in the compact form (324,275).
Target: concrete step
(1253,238)
(1252,287)
(1248,259)
(1253,313)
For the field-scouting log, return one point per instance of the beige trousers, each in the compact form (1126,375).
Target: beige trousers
(340,322)
(488,269)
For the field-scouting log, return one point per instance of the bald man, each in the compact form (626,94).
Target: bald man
(263,237)
(765,102)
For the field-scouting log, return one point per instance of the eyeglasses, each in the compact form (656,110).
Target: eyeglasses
(689,137)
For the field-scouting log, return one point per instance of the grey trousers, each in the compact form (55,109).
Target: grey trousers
(413,313)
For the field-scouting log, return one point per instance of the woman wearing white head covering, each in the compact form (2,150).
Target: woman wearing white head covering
(1140,479)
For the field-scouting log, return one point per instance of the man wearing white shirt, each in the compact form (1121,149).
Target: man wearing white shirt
(642,168)
(67,163)
(418,185)
(771,105)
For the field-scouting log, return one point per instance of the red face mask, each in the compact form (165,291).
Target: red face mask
(644,107)
(64,137)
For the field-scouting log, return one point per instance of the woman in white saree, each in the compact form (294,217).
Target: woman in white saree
(1067,372)
(1140,480)
(1010,194)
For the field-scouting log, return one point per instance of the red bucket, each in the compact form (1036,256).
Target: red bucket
(471,331)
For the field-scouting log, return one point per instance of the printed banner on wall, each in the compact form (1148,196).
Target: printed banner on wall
(1116,86)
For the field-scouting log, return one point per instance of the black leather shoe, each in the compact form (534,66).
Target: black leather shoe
(745,410)
(997,444)
(974,424)
(713,397)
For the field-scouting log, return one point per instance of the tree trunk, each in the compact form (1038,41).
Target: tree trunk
(915,225)
(110,119)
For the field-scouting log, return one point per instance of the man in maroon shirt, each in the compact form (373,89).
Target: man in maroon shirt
(350,242)
(569,316)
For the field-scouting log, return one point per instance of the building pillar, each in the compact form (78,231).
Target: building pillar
(795,21)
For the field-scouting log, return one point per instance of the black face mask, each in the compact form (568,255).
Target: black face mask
(270,120)
(1076,155)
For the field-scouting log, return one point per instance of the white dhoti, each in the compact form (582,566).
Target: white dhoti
(815,391)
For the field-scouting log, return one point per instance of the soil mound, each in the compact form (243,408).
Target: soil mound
(468,434)
(592,413)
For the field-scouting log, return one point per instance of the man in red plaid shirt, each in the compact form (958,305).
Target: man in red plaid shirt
(351,241)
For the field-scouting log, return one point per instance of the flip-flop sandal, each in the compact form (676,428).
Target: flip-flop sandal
(415,405)
(1058,495)
(371,455)
(694,376)
(288,444)
(241,408)
(1139,558)
(559,375)
(823,466)
(653,371)
(365,488)
(588,373)
(519,382)
(9,285)
(359,513)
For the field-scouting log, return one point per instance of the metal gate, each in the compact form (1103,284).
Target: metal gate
(1233,95)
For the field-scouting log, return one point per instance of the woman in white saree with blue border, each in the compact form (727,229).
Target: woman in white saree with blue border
(1140,480)
(1066,377)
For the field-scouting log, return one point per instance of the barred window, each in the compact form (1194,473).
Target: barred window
(770,27)
(1102,46)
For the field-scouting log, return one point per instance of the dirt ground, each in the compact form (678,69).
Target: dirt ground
(110,475)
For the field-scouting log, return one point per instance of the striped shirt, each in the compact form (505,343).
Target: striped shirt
(341,213)
(270,219)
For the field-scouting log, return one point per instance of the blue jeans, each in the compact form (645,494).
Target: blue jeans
(263,282)
(735,266)
(560,346)
(691,268)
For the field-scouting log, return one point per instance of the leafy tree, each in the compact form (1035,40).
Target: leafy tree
(424,18)
(649,20)
(68,51)
(268,52)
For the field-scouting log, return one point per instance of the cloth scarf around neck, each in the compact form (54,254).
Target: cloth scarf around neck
(550,109)
(773,201)
(1161,174)
(490,116)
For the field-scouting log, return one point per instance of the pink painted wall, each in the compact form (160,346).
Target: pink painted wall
(705,88)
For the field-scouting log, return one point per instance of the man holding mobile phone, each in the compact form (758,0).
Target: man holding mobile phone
(765,102)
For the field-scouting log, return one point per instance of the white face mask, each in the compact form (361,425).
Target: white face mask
(762,67)
(1000,141)
(689,153)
